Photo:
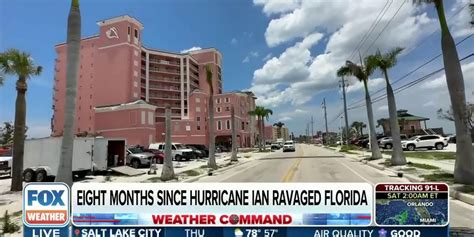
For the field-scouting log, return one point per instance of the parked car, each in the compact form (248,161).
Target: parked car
(6,162)
(425,141)
(178,151)
(159,155)
(136,157)
(289,146)
(202,148)
(275,146)
(387,143)
(452,139)
(197,153)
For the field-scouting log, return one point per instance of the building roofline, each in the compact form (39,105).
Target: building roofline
(85,38)
(190,53)
(119,18)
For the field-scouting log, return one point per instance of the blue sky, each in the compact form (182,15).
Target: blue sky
(253,37)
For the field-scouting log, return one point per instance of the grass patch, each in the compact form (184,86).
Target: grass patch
(191,172)
(423,166)
(439,177)
(350,152)
(386,163)
(428,155)
(247,155)
(409,169)
(203,166)
(467,189)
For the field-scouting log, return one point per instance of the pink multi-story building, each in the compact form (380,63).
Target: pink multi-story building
(123,88)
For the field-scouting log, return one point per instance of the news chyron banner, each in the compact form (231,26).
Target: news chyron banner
(236,210)
(222,204)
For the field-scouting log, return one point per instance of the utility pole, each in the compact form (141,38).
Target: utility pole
(343,84)
(325,115)
(312,127)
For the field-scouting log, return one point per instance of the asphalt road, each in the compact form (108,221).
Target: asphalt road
(316,164)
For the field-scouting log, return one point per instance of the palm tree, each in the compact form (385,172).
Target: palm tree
(464,166)
(385,62)
(262,113)
(362,73)
(72,68)
(358,126)
(342,72)
(234,135)
(212,138)
(167,173)
(14,62)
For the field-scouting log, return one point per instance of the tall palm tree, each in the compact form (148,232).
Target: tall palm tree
(385,62)
(212,137)
(14,62)
(362,73)
(262,113)
(72,68)
(358,126)
(167,173)
(342,72)
(464,166)
(234,135)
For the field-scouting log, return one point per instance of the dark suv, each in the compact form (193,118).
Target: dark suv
(204,152)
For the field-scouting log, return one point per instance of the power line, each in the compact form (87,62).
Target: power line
(372,27)
(386,25)
(414,70)
(410,84)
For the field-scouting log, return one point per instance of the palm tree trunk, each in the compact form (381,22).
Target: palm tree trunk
(212,138)
(19,136)
(73,43)
(398,158)
(234,135)
(464,166)
(263,134)
(376,154)
(167,173)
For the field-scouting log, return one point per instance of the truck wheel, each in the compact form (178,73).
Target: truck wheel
(29,175)
(135,163)
(178,158)
(41,176)
(411,147)
(439,146)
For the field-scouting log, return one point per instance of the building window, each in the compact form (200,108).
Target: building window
(198,128)
(143,117)
(228,124)
(227,100)
(198,109)
(198,119)
(129,29)
(151,118)
(219,125)
(227,108)
(198,100)
(188,128)
(243,126)
(218,100)
(136,52)
(218,109)
(136,33)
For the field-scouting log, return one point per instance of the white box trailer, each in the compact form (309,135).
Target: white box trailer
(41,156)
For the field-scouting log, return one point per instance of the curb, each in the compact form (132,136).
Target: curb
(463,197)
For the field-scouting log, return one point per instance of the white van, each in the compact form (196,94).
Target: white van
(178,151)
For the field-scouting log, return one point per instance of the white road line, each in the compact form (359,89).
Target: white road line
(353,171)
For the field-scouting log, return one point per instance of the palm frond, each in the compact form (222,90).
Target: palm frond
(343,71)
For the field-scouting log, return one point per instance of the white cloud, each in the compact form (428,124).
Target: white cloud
(233,41)
(277,6)
(38,129)
(268,56)
(253,54)
(460,24)
(382,108)
(194,48)
(246,59)
(373,85)
(298,76)
(285,118)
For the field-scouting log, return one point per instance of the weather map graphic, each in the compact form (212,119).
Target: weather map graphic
(411,212)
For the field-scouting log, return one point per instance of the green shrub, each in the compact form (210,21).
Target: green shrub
(8,225)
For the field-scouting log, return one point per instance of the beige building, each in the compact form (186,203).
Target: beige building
(280,132)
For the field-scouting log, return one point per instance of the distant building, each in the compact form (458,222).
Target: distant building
(280,132)
(123,88)
(410,125)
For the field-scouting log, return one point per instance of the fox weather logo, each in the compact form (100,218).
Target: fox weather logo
(46,204)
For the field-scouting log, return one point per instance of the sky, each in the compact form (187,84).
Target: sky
(286,51)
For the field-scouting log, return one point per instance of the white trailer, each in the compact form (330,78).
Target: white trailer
(41,156)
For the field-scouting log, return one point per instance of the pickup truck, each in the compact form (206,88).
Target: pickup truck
(6,162)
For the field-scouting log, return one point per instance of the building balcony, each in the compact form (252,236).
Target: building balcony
(164,79)
(162,70)
(164,88)
(172,115)
(164,62)
(164,97)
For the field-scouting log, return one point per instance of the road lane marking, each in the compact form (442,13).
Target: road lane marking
(294,167)
(355,172)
